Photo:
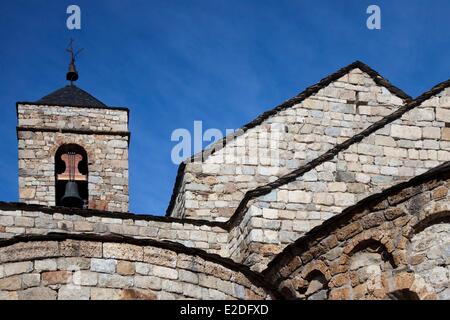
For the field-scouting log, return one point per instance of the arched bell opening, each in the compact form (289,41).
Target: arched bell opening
(71,176)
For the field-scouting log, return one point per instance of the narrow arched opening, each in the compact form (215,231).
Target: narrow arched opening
(71,176)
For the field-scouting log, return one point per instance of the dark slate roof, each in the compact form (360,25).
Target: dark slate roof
(73,96)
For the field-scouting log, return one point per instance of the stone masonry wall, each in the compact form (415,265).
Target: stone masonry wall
(212,189)
(277,219)
(16,222)
(82,270)
(394,246)
(325,232)
(95,119)
(103,134)
(409,146)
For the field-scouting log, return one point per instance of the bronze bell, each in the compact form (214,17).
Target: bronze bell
(71,196)
(72,75)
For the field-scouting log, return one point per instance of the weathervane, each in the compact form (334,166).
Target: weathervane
(72,75)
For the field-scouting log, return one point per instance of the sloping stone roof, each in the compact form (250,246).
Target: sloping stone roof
(71,95)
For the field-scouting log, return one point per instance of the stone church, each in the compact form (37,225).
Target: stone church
(349,199)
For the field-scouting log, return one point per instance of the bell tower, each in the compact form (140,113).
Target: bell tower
(73,149)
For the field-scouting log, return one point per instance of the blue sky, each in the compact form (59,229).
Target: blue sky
(219,61)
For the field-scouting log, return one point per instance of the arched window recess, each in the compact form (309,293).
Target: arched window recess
(71,176)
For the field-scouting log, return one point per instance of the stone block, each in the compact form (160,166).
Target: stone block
(78,248)
(148,282)
(143,268)
(369,149)
(24,222)
(27,193)
(440,192)
(11,283)
(301,226)
(69,292)
(198,235)
(160,257)
(337,186)
(256,235)
(191,290)
(442,114)
(344,199)
(114,281)
(300,197)
(406,132)
(270,213)
(323,198)
(18,268)
(83,226)
(9,295)
(38,293)
(215,295)
(349,231)
(85,278)
(56,277)
(104,265)
(135,294)
(188,276)
(45,265)
(345,176)
(362,177)
(123,251)
(385,141)
(6,221)
(431,133)
(105,294)
(73,263)
(420,114)
(164,272)
(125,268)
(172,286)
(446,133)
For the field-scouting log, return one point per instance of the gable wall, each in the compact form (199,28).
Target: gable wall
(282,143)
